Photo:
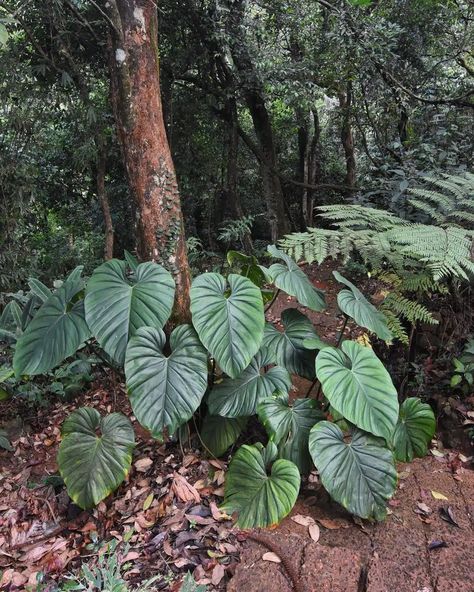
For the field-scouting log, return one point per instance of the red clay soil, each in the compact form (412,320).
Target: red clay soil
(414,550)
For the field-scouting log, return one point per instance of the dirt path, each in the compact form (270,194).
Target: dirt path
(393,556)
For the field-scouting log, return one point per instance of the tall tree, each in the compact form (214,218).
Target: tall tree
(134,67)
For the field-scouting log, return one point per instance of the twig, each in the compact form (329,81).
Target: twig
(272,301)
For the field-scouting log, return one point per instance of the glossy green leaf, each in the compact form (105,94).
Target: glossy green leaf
(118,304)
(164,390)
(218,433)
(289,426)
(359,474)
(415,428)
(39,289)
(292,280)
(95,454)
(288,345)
(56,331)
(238,397)
(259,498)
(357,385)
(228,317)
(355,305)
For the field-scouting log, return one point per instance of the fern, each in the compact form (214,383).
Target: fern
(412,311)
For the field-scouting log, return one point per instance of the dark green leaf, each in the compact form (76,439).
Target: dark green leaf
(357,385)
(260,499)
(95,454)
(165,391)
(355,305)
(237,397)
(117,305)
(230,325)
(360,474)
(218,433)
(415,428)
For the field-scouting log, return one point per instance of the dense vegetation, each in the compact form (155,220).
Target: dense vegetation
(170,173)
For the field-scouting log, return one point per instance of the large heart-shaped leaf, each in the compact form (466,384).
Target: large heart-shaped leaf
(248,265)
(288,345)
(357,385)
(236,397)
(355,305)
(95,454)
(165,391)
(415,428)
(229,319)
(117,304)
(56,331)
(218,433)
(360,474)
(292,280)
(261,499)
(289,426)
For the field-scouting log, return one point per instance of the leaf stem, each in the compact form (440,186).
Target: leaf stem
(272,301)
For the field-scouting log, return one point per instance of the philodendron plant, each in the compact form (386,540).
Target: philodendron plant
(353,433)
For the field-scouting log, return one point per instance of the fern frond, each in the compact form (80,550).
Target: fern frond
(395,325)
(411,310)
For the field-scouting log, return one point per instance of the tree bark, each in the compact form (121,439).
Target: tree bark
(310,164)
(345,103)
(103,199)
(134,65)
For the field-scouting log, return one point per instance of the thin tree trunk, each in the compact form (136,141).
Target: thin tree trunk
(103,199)
(345,103)
(232,192)
(312,167)
(141,130)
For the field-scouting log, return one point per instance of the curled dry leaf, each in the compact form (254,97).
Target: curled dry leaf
(439,496)
(184,490)
(333,524)
(423,508)
(217,574)
(273,557)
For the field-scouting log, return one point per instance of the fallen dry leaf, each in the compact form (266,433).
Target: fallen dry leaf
(273,557)
(217,574)
(303,520)
(184,490)
(143,464)
(332,524)
(314,532)
(439,496)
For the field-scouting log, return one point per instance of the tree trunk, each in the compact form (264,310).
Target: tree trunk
(310,164)
(141,130)
(232,193)
(345,103)
(103,199)
(254,98)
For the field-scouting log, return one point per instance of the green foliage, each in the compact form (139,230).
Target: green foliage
(95,454)
(464,367)
(168,381)
(4,441)
(228,317)
(292,280)
(415,427)
(359,387)
(260,496)
(289,345)
(118,303)
(359,474)
(355,305)
(165,391)
(55,333)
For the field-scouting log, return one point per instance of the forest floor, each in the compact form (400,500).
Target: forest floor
(167,520)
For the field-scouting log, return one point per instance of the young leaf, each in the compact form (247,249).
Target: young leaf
(292,280)
(288,345)
(95,454)
(230,325)
(260,499)
(357,385)
(236,397)
(39,289)
(355,305)
(360,474)
(218,433)
(56,331)
(117,305)
(415,428)
(165,391)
